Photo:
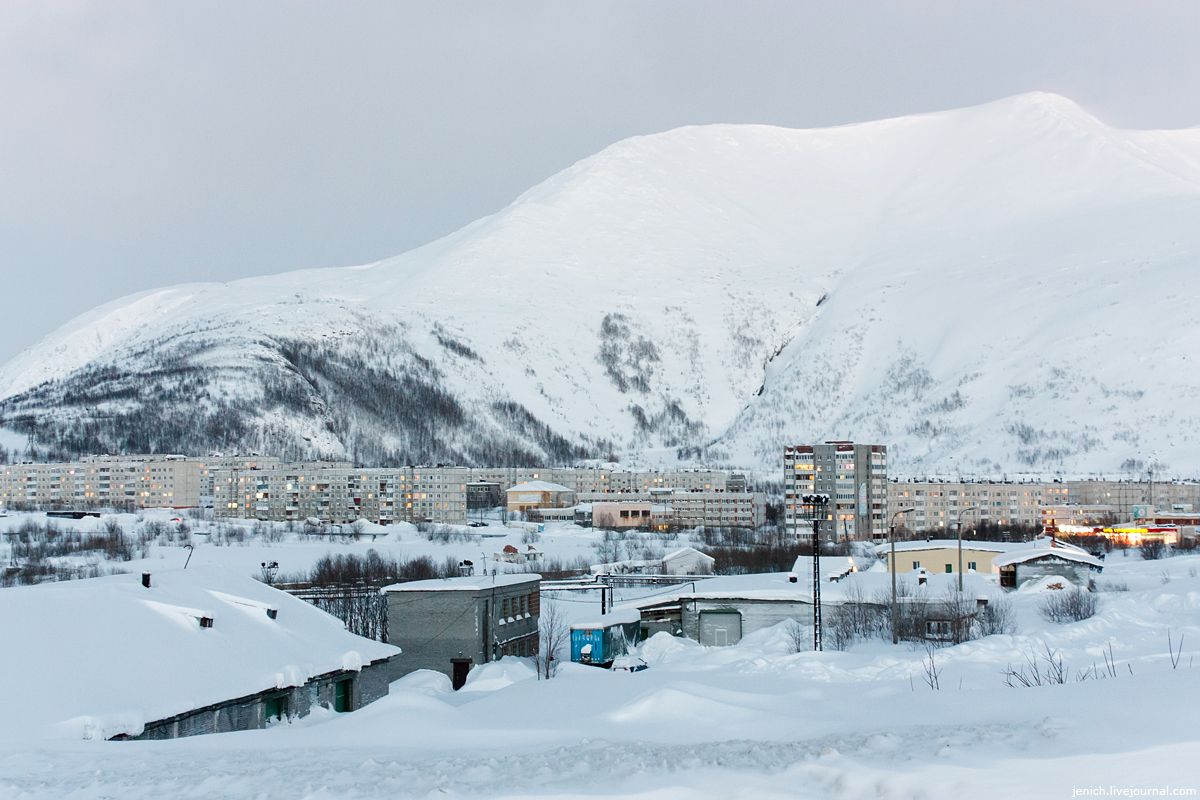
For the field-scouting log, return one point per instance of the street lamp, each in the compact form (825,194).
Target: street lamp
(892,542)
(817,502)
(960,516)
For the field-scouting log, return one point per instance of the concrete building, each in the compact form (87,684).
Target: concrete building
(1128,496)
(121,482)
(333,492)
(476,619)
(176,653)
(939,505)
(853,477)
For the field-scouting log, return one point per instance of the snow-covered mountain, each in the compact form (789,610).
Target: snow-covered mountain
(1003,287)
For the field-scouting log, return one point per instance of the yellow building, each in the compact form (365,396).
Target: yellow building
(941,555)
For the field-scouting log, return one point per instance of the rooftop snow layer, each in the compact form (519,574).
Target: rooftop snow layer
(465,584)
(538,486)
(103,656)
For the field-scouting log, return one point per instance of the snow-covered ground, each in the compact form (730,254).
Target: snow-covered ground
(750,721)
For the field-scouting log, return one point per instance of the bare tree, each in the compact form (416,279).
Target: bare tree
(554,637)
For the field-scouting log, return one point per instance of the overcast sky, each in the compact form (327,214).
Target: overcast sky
(146,144)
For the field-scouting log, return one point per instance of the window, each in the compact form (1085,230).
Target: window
(971,565)
(916,565)
(949,568)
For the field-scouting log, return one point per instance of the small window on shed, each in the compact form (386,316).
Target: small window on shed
(916,565)
(949,568)
(971,565)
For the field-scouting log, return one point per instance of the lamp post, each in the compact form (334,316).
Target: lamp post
(817,502)
(959,525)
(892,542)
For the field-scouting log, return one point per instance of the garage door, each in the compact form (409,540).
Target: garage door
(720,628)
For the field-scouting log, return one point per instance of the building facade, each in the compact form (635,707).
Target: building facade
(853,477)
(122,482)
(478,618)
(940,505)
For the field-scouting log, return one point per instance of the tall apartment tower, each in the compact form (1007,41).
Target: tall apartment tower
(853,476)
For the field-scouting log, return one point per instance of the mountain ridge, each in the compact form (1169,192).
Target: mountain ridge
(660,298)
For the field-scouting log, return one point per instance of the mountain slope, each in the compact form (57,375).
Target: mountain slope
(1003,287)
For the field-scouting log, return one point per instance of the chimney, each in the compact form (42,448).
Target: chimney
(146,579)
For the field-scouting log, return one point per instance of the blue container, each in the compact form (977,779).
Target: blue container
(600,643)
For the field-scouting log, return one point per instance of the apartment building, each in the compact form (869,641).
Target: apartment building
(689,508)
(853,477)
(123,482)
(939,505)
(336,492)
(1126,495)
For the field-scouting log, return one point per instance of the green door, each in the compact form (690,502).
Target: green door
(275,708)
(343,695)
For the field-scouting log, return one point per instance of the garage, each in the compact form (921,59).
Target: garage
(720,628)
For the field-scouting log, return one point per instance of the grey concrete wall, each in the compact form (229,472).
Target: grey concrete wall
(432,627)
(370,684)
(756,614)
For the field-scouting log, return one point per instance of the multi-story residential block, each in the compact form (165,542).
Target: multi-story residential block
(853,477)
(335,492)
(124,482)
(940,505)
(1126,495)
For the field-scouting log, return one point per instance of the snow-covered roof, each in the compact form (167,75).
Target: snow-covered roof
(103,656)
(538,486)
(1036,553)
(776,586)
(466,584)
(624,615)
(941,544)
(972,544)
(687,551)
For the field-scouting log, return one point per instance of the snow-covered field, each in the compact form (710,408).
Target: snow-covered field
(754,720)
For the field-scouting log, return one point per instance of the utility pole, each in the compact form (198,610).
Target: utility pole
(818,503)
(892,542)
(960,570)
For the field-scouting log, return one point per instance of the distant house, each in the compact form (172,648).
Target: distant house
(452,624)
(687,561)
(538,494)
(1031,564)
(176,653)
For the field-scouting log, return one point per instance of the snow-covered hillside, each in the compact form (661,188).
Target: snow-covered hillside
(1004,287)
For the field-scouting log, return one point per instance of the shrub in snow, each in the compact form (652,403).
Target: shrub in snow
(1152,549)
(1069,605)
(997,617)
